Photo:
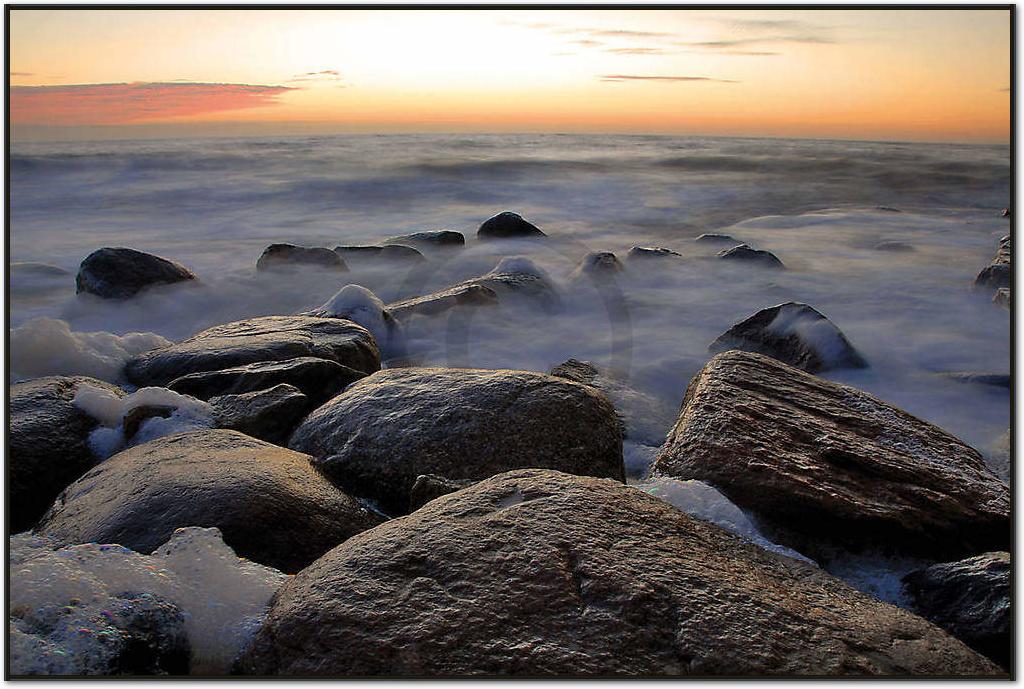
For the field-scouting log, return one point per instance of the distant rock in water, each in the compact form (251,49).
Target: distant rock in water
(1002,298)
(646,252)
(285,256)
(508,225)
(269,503)
(999,380)
(970,599)
(360,305)
(714,238)
(443,300)
(597,265)
(826,463)
(120,273)
(375,438)
(795,334)
(433,239)
(888,209)
(996,274)
(893,246)
(513,277)
(1005,213)
(745,254)
(33,269)
(384,253)
(270,414)
(539,573)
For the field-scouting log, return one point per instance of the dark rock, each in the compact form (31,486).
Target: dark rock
(430,487)
(745,254)
(597,265)
(713,238)
(1005,213)
(577,371)
(375,438)
(386,252)
(829,463)
(644,252)
(439,302)
(286,256)
(318,379)
(888,209)
(269,502)
(539,573)
(1002,298)
(971,600)
(795,334)
(435,239)
(135,417)
(999,380)
(257,340)
(48,444)
(508,225)
(893,246)
(998,273)
(33,269)
(270,414)
(120,273)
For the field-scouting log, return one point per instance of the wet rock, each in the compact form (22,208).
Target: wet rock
(431,486)
(743,253)
(289,256)
(269,502)
(714,238)
(999,380)
(597,265)
(48,443)
(120,273)
(1005,213)
(375,438)
(270,414)
(434,239)
(470,295)
(1002,298)
(998,273)
(257,340)
(894,246)
(971,600)
(519,277)
(539,573)
(646,252)
(318,379)
(508,225)
(793,333)
(138,415)
(360,305)
(387,252)
(827,463)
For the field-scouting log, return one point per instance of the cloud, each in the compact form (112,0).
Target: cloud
(22,74)
(322,75)
(1006,90)
(618,78)
(759,40)
(92,104)
(636,51)
(587,42)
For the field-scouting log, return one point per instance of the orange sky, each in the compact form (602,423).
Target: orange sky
(874,74)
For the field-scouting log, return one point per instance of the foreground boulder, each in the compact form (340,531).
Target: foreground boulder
(48,443)
(997,274)
(971,600)
(539,573)
(269,502)
(284,256)
(255,340)
(270,414)
(829,463)
(383,253)
(743,253)
(795,334)
(435,303)
(120,273)
(433,239)
(375,438)
(508,225)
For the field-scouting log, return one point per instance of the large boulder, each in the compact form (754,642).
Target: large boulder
(375,438)
(758,257)
(269,502)
(287,256)
(793,333)
(256,340)
(48,443)
(827,463)
(270,414)
(382,253)
(508,225)
(997,274)
(120,273)
(431,239)
(971,600)
(539,573)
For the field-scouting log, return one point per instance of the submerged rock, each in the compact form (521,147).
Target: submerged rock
(270,414)
(971,600)
(257,340)
(386,252)
(999,380)
(827,463)
(434,239)
(269,502)
(758,257)
(48,443)
(793,333)
(34,269)
(120,273)
(508,225)
(1002,298)
(429,487)
(893,246)
(443,300)
(285,256)
(997,274)
(645,252)
(714,238)
(384,431)
(597,265)
(539,573)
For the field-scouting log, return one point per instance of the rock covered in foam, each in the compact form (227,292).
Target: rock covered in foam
(360,305)
(289,256)
(508,225)
(269,503)
(537,572)
(826,463)
(793,333)
(120,273)
(758,257)
(270,414)
(997,274)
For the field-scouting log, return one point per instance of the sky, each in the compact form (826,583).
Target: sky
(919,75)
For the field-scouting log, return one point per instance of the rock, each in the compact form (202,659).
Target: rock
(971,600)
(597,265)
(33,269)
(829,463)
(360,305)
(744,253)
(517,276)
(270,414)
(269,502)
(444,300)
(1005,213)
(48,443)
(893,246)
(645,252)
(999,380)
(1002,298)
(318,379)
(998,273)
(888,209)
(713,238)
(375,438)
(386,252)
(508,225)
(431,486)
(538,573)
(795,334)
(257,340)
(999,456)
(436,239)
(120,273)
(138,415)
(289,256)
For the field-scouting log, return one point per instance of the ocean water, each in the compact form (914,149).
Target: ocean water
(821,206)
